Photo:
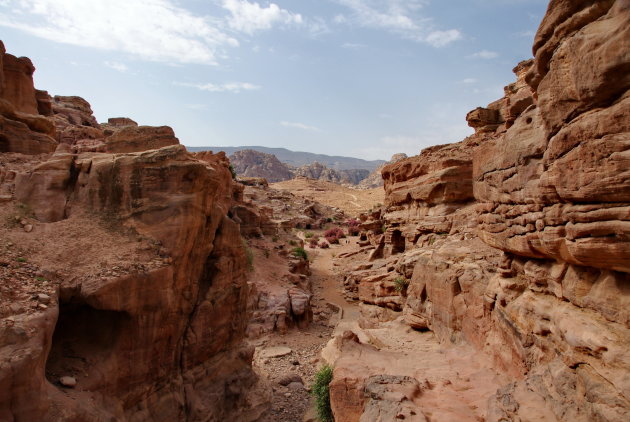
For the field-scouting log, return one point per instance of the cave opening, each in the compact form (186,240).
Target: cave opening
(83,340)
(398,242)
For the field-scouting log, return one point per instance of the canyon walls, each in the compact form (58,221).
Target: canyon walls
(126,297)
(517,239)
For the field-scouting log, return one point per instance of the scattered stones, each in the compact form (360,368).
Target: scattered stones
(67,381)
(276,352)
(43,298)
(290,378)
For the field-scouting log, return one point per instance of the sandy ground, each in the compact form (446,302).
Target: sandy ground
(351,201)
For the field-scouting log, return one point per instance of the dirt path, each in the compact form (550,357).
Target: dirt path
(292,402)
(327,283)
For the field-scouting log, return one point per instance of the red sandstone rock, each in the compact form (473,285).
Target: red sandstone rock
(140,138)
(549,165)
(17,87)
(133,337)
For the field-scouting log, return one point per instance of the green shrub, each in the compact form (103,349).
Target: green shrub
(300,253)
(320,390)
(401,284)
(274,239)
(250,256)
(233,172)
(292,242)
(308,235)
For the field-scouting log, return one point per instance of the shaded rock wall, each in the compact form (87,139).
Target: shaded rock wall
(162,341)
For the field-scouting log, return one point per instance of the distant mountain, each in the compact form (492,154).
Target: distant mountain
(299,158)
(250,163)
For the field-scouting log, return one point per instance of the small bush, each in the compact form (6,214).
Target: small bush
(233,172)
(321,391)
(250,256)
(274,239)
(20,259)
(333,235)
(313,242)
(308,235)
(332,240)
(324,245)
(300,253)
(353,227)
(401,284)
(292,242)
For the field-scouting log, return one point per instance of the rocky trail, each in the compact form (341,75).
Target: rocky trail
(448,382)
(288,362)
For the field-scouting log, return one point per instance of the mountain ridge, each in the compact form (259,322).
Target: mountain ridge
(301,158)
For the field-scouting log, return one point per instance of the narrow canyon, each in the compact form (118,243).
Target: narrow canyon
(487,280)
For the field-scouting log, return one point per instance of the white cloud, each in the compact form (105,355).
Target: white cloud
(441,38)
(120,67)
(251,17)
(233,87)
(398,16)
(485,54)
(468,81)
(155,30)
(300,126)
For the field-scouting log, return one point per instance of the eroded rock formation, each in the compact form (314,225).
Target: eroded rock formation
(517,240)
(138,272)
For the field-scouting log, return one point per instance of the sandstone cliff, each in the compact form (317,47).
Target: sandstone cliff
(516,240)
(320,172)
(124,291)
(250,163)
(375,179)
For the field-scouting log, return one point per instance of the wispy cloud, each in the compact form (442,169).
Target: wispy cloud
(298,125)
(120,67)
(155,30)
(401,17)
(233,87)
(251,17)
(484,54)
(468,81)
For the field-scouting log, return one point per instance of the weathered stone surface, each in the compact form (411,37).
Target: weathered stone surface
(17,87)
(156,316)
(73,110)
(140,138)
(526,257)
(22,129)
(250,163)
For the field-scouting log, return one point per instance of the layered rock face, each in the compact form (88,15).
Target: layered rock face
(255,164)
(146,326)
(22,129)
(516,240)
(320,172)
(375,179)
(250,163)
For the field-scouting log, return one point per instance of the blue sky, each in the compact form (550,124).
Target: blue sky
(363,78)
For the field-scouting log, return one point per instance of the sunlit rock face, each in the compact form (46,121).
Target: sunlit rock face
(517,240)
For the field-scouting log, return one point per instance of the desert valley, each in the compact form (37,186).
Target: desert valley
(482,280)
